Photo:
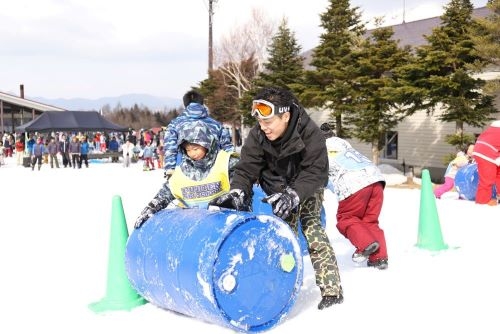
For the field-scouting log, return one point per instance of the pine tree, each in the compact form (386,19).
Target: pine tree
(220,99)
(284,67)
(486,38)
(445,76)
(330,85)
(378,105)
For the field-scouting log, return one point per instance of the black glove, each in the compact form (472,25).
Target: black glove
(153,207)
(167,174)
(283,203)
(234,199)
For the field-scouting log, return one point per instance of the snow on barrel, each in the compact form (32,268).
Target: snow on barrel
(237,269)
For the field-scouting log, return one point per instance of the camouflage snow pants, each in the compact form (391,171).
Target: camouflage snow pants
(320,250)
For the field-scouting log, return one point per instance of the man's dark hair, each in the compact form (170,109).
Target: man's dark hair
(279,96)
(192,96)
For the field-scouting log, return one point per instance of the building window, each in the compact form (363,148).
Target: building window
(390,145)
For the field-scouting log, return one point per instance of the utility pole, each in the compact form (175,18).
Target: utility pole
(210,42)
(404,11)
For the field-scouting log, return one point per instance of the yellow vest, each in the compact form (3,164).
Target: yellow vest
(199,193)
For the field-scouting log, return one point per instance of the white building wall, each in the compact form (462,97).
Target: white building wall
(421,143)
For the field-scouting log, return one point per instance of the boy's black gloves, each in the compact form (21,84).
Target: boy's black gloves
(167,174)
(283,203)
(153,207)
(234,199)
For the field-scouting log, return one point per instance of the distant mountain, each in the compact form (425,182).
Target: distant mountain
(128,100)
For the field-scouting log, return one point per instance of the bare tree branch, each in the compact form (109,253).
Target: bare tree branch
(243,44)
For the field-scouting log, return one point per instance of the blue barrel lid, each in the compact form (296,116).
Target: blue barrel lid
(257,273)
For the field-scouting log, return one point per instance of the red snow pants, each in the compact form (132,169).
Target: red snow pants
(357,219)
(489,175)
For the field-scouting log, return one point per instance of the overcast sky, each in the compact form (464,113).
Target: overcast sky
(101,48)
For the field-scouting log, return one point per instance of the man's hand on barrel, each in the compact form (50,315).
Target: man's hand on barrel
(283,203)
(234,199)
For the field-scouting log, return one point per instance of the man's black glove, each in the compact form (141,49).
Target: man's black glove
(153,207)
(234,199)
(283,203)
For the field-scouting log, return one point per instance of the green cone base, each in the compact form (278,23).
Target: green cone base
(107,304)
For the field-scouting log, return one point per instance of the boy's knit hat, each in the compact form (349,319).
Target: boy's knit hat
(196,132)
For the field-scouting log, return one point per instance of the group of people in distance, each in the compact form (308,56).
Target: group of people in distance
(292,160)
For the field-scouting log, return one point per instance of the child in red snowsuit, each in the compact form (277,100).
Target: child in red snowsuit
(487,156)
(359,186)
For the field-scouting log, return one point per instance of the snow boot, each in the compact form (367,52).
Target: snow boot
(380,264)
(328,301)
(359,257)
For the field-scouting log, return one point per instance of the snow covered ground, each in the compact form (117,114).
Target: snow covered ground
(54,253)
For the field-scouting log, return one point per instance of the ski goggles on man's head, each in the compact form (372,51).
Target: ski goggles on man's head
(265,110)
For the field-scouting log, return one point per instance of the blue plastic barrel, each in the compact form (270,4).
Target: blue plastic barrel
(259,207)
(236,269)
(466,181)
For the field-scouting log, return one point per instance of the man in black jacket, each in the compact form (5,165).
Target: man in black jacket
(285,153)
(64,150)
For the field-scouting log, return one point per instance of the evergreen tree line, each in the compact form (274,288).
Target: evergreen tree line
(367,82)
(139,117)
